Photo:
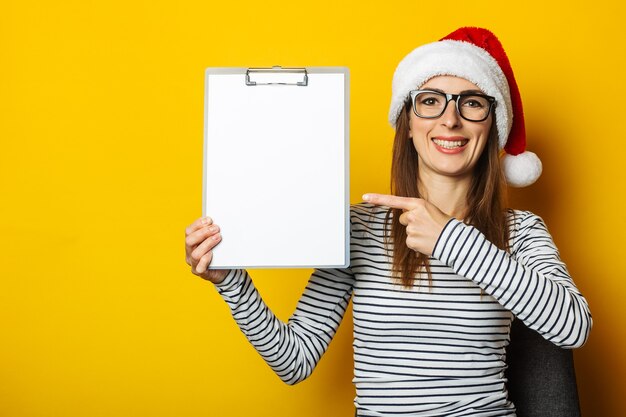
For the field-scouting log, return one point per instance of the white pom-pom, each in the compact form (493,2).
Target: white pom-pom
(521,170)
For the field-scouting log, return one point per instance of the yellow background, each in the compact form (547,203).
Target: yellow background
(101,124)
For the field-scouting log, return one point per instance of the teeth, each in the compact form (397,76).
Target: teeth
(449,144)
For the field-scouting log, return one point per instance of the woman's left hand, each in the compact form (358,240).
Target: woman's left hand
(424,221)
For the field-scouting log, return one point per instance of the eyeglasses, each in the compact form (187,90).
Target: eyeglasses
(430,104)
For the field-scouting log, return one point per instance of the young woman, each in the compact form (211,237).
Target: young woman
(440,268)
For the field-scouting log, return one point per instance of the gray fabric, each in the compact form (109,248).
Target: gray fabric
(542,382)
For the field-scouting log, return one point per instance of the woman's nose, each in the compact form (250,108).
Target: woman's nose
(451,117)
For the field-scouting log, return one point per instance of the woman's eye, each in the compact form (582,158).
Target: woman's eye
(473,103)
(430,101)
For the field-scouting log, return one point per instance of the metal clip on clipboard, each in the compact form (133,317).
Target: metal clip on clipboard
(269,76)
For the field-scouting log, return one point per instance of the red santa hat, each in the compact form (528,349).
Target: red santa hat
(476,55)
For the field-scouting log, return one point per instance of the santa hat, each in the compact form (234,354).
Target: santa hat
(476,55)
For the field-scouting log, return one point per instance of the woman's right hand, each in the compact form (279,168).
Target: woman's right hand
(200,239)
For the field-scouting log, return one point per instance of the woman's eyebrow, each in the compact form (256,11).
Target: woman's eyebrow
(471,92)
(462,92)
(435,89)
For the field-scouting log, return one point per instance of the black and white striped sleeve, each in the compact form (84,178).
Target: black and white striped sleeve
(291,349)
(532,282)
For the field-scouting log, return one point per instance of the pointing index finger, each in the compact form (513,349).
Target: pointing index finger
(404,203)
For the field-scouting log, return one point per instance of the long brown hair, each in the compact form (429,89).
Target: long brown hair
(486,200)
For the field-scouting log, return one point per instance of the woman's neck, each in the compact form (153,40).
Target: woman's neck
(449,194)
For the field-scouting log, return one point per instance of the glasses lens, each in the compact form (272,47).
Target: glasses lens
(429,104)
(474,107)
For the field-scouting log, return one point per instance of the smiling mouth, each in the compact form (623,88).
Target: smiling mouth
(450,144)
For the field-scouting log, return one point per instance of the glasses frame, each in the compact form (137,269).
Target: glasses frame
(449,97)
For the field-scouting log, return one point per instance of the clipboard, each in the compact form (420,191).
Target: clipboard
(276,166)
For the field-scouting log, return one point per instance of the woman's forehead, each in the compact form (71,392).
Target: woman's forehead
(450,84)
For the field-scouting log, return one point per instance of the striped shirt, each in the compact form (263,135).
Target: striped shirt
(435,350)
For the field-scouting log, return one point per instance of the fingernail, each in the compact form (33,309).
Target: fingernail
(366,197)
(205,220)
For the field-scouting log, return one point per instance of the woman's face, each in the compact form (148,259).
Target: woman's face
(449,145)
